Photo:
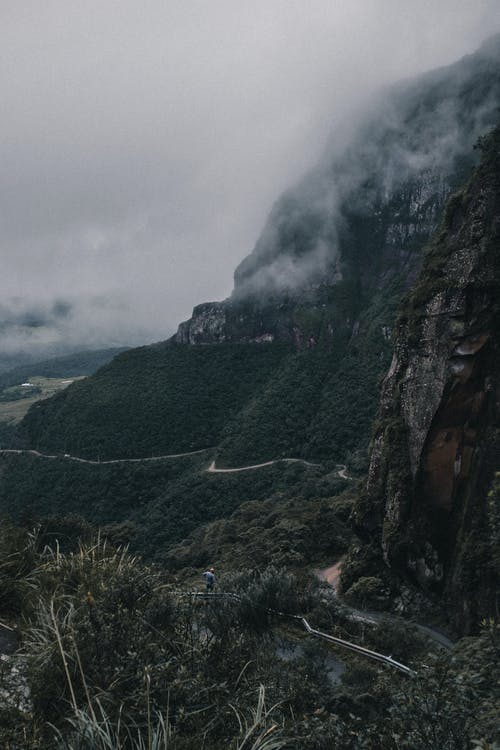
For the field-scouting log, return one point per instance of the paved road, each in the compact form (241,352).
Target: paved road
(213,470)
(69,457)
(331,576)
(341,468)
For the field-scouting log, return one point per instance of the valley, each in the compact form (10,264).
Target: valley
(327,439)
(15,401)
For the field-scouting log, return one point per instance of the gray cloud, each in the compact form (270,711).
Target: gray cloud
(142,144)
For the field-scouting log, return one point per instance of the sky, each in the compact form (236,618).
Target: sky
(143,144)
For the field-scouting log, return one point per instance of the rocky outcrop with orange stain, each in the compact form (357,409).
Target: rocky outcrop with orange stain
(437,442)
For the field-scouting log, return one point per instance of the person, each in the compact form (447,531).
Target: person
(209,576)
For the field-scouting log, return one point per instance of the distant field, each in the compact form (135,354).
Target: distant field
(11,412)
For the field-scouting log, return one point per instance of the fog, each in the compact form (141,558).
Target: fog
(416,139)
(143,144)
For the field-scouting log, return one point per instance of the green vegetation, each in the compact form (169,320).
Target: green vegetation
(256,402)
(159,399)
(306,526)
(162,502)
(16,400)
(318,406)
(68,366)
(16,393)
(117,657)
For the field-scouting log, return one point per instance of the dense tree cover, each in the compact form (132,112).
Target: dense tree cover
(163,501)
(116,656)
(294,531)
(262,402)
(257,401)
(8,434)
(164,398)
(68,366)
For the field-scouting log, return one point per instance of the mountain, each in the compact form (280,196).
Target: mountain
(431,502)
(289,366)
(325,278)
(399,280)
(356,224)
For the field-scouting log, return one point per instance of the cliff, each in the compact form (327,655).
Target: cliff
(353,228)
(436,444)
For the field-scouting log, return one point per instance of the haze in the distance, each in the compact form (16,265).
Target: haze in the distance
(143,144)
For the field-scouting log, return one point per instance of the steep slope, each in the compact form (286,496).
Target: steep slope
(436,446)
(338,252)
(351,234)
(357,223)
(153,400)
(300,345)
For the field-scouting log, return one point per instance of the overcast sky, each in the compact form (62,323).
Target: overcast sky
(143,143)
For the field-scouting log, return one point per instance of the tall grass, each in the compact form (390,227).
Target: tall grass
(96,731)
(257,730)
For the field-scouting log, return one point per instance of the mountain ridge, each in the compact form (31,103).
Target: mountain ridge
(288,373)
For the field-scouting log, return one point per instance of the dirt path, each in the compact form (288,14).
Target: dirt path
(330,575)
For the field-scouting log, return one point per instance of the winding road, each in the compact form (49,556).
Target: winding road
(331,576)
(69,457)
(212,469)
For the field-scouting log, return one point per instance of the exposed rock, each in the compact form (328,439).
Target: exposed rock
(206,326)
(14,688)
(354,227)
(437,444)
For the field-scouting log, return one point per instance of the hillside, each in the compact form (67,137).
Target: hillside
(158,399)
(68,366)
(354,227)
(353,232)
(121,650)
(47,378)
(287,371)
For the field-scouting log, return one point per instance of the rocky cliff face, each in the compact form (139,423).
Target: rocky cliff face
(355,226)
(437,442)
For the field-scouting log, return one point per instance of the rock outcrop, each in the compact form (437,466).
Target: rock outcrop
(436,445)
(354,227)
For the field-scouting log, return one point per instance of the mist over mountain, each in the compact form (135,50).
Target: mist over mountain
(357,223)
(142,150)
(326,439)
(417,139)
(301,353)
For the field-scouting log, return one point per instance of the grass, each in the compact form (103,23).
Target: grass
(13,411)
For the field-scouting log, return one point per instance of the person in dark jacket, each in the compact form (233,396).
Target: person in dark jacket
(209,576)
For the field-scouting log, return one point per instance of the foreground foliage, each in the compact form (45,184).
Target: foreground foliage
(116,657)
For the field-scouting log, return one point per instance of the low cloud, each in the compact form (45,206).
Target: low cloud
(142,145)
(414,136)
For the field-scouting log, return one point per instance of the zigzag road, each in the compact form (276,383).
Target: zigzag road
(369,617)
(342,469)
(213,470)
